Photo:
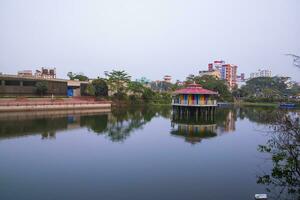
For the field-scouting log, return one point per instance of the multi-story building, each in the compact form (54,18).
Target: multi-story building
(25,73)
(162,85)
(261,73)
(227,72)
(215,73)
(46,73)
(167,78)
(216,65)
(241,77)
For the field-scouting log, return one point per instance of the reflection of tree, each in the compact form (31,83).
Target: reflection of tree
(261,115)
(48,135)
(97,123)
(44,126)
(124,121)
(118,125)
(284,147)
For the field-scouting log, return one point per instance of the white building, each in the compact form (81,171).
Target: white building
(167,78)
(261,73)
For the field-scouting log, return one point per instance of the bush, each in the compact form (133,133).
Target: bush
(41,88)
(101,88)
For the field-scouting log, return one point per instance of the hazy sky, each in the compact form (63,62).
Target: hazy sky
(149,38)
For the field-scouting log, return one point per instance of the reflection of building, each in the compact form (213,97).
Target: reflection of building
(193,129)
(48,123)
(193,133)
(228,123)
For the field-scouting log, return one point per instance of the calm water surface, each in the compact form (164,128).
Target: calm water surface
(134,153)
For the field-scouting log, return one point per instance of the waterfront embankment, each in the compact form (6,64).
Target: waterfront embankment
(47,104)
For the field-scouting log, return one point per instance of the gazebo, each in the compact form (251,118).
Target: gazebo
(194,99)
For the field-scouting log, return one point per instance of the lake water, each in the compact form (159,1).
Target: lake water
(133,153)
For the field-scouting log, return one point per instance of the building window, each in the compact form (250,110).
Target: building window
(29,83)
(12,83)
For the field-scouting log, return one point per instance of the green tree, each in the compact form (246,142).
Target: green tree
(135,87)
(265,87)
(41,87)
(97,87)
(284,150)
(79,76)
(212,83)
(101,88)
(148,95)
(90,90)
(118,82)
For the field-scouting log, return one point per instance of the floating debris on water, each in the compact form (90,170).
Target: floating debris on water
(261,196)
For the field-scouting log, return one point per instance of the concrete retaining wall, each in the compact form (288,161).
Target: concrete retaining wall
(55,107)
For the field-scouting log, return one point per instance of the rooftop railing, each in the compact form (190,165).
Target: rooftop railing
(194,103)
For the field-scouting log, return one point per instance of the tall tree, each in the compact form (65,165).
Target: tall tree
(266,87)
(118,82)
(135,87)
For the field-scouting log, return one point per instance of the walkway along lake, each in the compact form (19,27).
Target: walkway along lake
(133,153)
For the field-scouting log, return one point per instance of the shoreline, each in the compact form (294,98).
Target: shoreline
(264,104)
(15,105)
(54,107)
(47,104)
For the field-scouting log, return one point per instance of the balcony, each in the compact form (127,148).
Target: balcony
(194,103)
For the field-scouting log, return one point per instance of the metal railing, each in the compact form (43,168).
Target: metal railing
(195,103)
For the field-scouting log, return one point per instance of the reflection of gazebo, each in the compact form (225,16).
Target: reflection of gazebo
(194,99)
(193,132)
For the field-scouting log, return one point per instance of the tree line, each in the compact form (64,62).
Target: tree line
(118,86)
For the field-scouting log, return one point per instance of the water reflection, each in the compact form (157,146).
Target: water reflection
(194,129)
(121,123)
(116,125)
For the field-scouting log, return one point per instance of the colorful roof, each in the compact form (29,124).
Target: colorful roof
(194,89)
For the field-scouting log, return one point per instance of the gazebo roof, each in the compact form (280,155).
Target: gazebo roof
(194,88)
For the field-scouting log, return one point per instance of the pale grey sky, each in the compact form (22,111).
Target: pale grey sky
(149,38)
